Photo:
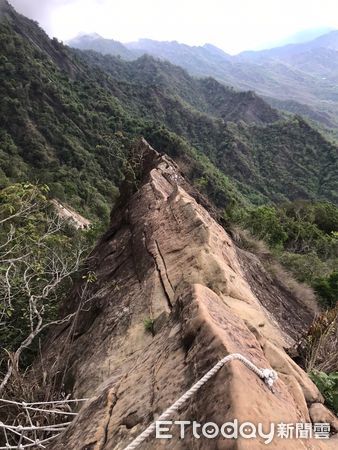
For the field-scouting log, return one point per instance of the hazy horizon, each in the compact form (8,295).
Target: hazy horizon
(244,25)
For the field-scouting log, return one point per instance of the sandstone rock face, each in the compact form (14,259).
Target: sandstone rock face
(167,260)
(320,414)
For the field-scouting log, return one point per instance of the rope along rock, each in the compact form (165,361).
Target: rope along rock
(268,375)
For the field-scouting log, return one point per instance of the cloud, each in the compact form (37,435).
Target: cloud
(231,25)
(39,10)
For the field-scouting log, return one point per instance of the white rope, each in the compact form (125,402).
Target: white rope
(56,427)
(31,423)
(56,402)
(19,430)
(6,427)
(268,375)
(36,443)
(54,411)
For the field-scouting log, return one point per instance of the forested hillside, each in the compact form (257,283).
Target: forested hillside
(69,117)
(69,120)
(71,129)
(299,78)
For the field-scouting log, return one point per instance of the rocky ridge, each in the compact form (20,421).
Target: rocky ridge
(165,260)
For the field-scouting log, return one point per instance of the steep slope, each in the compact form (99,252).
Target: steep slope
(68,119)
(35,36)
(173,84)
(304,74)
(166,260)
(61,120)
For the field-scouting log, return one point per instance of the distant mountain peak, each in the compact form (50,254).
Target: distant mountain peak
(91,36)
(302,36)
(85,37)
(215,50)
(94,41)
(284,75)
(328,41)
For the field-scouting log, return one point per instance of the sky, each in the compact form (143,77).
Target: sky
(232,25)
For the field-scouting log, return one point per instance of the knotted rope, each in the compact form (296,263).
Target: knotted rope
(268,375)
(22,441)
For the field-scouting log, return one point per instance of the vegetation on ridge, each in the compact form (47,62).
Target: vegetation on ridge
(40,254)
(67,115)
(303,235)
(68,121)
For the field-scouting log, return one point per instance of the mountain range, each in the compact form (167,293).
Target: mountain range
(69,118)
(201,195)
(299,78)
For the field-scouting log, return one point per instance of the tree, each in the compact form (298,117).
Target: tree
(265,224)
(327,289)
(39,253)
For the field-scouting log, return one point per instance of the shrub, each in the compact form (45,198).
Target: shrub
(327,383)
(327,289)
(305,267)
(149,325)
(318,348)
(40,253)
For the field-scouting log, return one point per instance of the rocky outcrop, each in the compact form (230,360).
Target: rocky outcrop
(319,413)
(167,261)
(68,214)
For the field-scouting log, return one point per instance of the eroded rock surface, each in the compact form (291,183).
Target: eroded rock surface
(166,259)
